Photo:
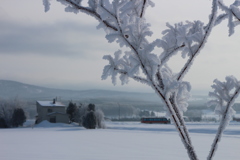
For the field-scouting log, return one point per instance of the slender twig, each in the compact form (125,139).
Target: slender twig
(207,32)
(171,53)
(159,78)
(95,14)
(108,11)
(233,13)
(137,78)
(223,122)
(143,7)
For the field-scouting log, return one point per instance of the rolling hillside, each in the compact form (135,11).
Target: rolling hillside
(10,89)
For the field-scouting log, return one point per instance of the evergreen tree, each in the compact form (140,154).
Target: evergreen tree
(18,117)
(71,109)
(89,120)
(2,123)
(91,107)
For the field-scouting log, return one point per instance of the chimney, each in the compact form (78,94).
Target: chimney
(54,101)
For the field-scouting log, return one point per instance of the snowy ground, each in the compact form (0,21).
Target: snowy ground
(120,141)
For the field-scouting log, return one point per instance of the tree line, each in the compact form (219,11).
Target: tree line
(11,113)
(86,115)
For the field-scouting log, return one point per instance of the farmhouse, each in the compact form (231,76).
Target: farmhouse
(51,111)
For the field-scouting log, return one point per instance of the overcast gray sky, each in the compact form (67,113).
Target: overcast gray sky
(64,50)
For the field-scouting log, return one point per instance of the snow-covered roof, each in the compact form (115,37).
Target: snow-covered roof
(50,104)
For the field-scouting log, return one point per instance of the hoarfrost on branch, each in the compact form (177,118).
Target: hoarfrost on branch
(124,23)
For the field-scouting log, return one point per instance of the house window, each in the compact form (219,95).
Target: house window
(52,119)
(50,110)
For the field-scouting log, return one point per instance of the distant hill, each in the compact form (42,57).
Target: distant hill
(10,89)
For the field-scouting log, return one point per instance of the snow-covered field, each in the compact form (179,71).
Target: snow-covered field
(120,141)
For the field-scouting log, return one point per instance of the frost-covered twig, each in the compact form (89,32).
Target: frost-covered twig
(203,41)
(233,9)
(183,127)
(181,130)
(171,53)
(143,8)
(223,101)
(75,6)
(230,12)
(179,116)
(159,78)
